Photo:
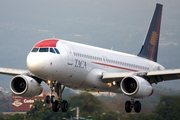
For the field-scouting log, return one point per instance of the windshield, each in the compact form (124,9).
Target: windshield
(57,51)
(35,49)
(51,50)
(43,49)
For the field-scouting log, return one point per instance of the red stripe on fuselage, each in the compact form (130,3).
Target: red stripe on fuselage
(115,66)
(47,43)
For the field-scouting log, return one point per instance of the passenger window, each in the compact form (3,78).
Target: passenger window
(43,49)
(35,49)
(57,51)
(52,50)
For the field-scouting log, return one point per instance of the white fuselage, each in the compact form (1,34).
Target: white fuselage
(81,66)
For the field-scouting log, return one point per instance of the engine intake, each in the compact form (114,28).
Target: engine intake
(135,86)
(25,86)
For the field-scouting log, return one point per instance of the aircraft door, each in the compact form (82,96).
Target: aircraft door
(69,51)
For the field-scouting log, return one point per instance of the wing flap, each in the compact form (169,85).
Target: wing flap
(164,72)
(163,75)
(13,72)
(110,77)
(151,76)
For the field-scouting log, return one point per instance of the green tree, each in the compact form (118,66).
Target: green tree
(16,117)
(110,115)
(1,118)
(42,111)
(152,116)
(86,102)
(168,108)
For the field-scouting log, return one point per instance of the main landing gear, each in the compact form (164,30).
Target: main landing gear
(131,104)
(56,104)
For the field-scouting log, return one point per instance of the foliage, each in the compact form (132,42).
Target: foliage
(17,117)
(13,117)
(42,111)
(168,108)
(87,102)
(7,103)
(91,107)
(1,118)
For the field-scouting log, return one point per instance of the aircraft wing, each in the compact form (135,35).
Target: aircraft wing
(13,72)
(151,76)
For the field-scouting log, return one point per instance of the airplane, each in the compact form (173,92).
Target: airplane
(61,63)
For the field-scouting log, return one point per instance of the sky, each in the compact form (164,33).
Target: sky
(104,23)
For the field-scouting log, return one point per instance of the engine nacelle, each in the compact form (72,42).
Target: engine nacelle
(135,86)
(25,86)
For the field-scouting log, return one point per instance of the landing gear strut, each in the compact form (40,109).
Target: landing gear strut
(131,104)
(51,98)
(56,104)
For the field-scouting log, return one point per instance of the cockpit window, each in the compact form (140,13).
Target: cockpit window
(57,51)
(35,49)
(43,49)
(52,50)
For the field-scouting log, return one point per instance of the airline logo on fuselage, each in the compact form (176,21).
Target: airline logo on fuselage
(154,37)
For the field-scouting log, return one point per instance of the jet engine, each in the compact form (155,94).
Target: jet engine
(25,86)
(135,86)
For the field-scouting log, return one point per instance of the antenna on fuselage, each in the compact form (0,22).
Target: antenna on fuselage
(53,36)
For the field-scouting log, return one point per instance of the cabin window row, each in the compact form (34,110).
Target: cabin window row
(88,56)
(127,64)
(112,61)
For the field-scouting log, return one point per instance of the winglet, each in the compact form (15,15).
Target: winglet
(149,49)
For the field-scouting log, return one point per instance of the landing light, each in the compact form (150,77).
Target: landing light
(114,82)
(109,84)
(48,82)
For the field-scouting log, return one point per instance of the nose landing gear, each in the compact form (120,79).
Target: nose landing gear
(56,104)
(131,104)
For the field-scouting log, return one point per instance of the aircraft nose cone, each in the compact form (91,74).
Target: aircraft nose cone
(35,62)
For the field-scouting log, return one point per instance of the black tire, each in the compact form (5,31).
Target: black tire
(137,106)
(47,99)
(64,106)
(128,106)
(55,106)
(53,99)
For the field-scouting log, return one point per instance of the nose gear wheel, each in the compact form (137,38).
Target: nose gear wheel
(56,104)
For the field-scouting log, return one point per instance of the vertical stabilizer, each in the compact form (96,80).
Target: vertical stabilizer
(149,49)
